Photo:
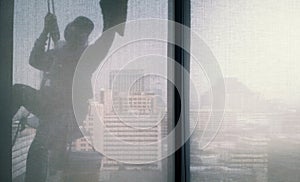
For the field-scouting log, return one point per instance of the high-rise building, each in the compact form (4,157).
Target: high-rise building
(133,120)
(131,140)
(19,152)
(138,103)
(129,80)
(91,129)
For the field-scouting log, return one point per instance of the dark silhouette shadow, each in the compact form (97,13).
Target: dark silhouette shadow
(52,103)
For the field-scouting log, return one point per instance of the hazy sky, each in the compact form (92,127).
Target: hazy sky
(257,41)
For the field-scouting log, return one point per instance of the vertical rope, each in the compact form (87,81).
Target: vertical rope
(49,36)
(49,11)
(53,8)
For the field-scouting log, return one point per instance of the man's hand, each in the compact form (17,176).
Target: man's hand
(50,22)
(114,12)
(51,26)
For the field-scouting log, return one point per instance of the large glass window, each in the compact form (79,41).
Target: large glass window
(129,99)
(255,44)
(239,102)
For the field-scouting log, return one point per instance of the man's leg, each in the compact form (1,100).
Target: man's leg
(27,97)
(37,162)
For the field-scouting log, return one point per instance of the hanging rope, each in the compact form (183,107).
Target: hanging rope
(51,35)
(53,8)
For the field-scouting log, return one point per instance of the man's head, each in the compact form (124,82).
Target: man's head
(77,32)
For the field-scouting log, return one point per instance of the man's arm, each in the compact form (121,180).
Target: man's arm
(96,53)
(39,58)
(114,13)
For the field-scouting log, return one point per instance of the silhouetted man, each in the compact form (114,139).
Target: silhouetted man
(52,104)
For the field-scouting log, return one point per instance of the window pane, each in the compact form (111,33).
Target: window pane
(129,98)
(255,44)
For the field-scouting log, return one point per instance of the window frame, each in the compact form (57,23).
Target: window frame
(178,101)
(6,51)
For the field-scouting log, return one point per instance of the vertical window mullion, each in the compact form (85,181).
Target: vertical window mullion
(6,52)
(178,101)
